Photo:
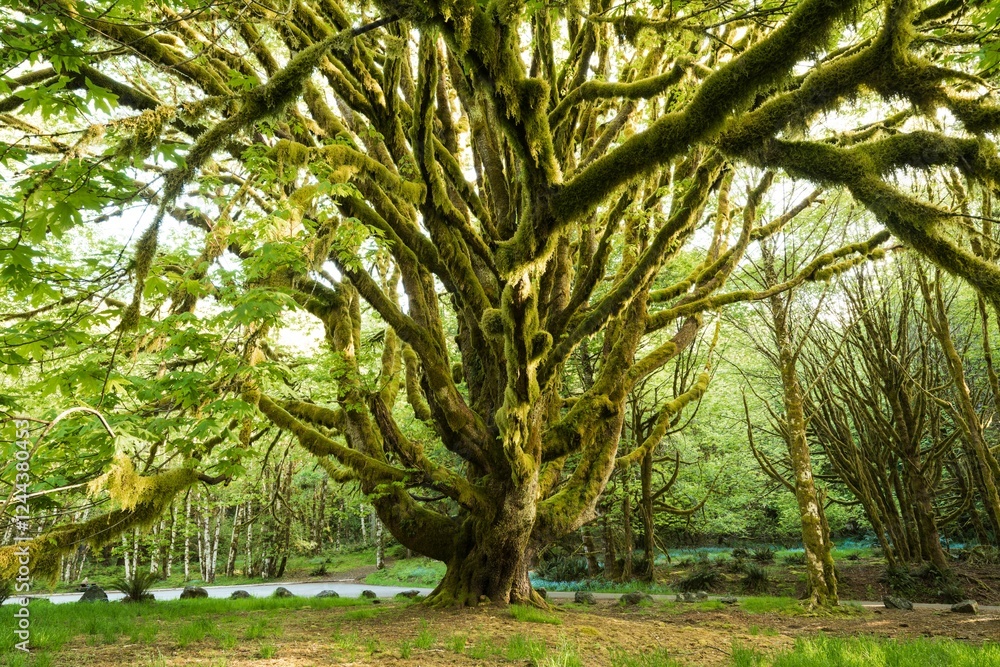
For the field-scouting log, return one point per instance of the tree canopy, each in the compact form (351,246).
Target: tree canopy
(505,216)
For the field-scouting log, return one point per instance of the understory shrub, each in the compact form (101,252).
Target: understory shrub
(699,579)
(136,588)
(756,578)
(557,565)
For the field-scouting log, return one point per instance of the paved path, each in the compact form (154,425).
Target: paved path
(353,590)
(302,589)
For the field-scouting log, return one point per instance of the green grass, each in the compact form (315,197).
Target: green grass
(655,658)
(53,625)
(566,657)
(258,630)
(456,643)
(532,615)
(764,605)
(483,648)
(426,638)
(793,607)
(522,648)
(418,572)
(672,607)
(193,632)
(362,614)
(871,652)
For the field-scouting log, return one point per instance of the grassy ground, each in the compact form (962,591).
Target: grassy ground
(761,632)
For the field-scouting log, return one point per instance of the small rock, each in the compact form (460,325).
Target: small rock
(239,595)
(376,601)
(408,594)
(328,594)
(892,602)
(701,595)
(966,607)
(94,593)
(584,597)
(679,597)
(541,591)
(192,592)
(282,592)
(368,594)
(635,597)
(689,596)
(728,599)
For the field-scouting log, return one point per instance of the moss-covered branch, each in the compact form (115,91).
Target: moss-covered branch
(365,467)
(731,87)
(143,499)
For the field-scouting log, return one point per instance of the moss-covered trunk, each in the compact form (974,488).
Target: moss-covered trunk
(491,557)
(819,560)
(648,523)
(815,535)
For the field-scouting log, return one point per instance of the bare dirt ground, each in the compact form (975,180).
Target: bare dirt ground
(412,635)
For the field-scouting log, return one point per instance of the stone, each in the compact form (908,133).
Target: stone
(966,607)
(94,593)
(328,594)
(701,595)
(239,595)
(728,599)
(146,597)
(408,594)
(541,591)
(689,596)
(679,597)
(368,594)
(635,597)
(584,597)
(892,602)
(192,592)
(282,592)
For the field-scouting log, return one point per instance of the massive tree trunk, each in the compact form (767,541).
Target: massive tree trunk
(492,557)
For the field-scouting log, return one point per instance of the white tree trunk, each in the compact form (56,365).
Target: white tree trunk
(204,543)
(364,531)
(187,538)
(248,557)
(173,540)
(233,539)
(128,558)
(155,551)
(135,551)
(215,543)
(379,544)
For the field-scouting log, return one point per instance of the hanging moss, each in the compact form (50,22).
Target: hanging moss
(143,499)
